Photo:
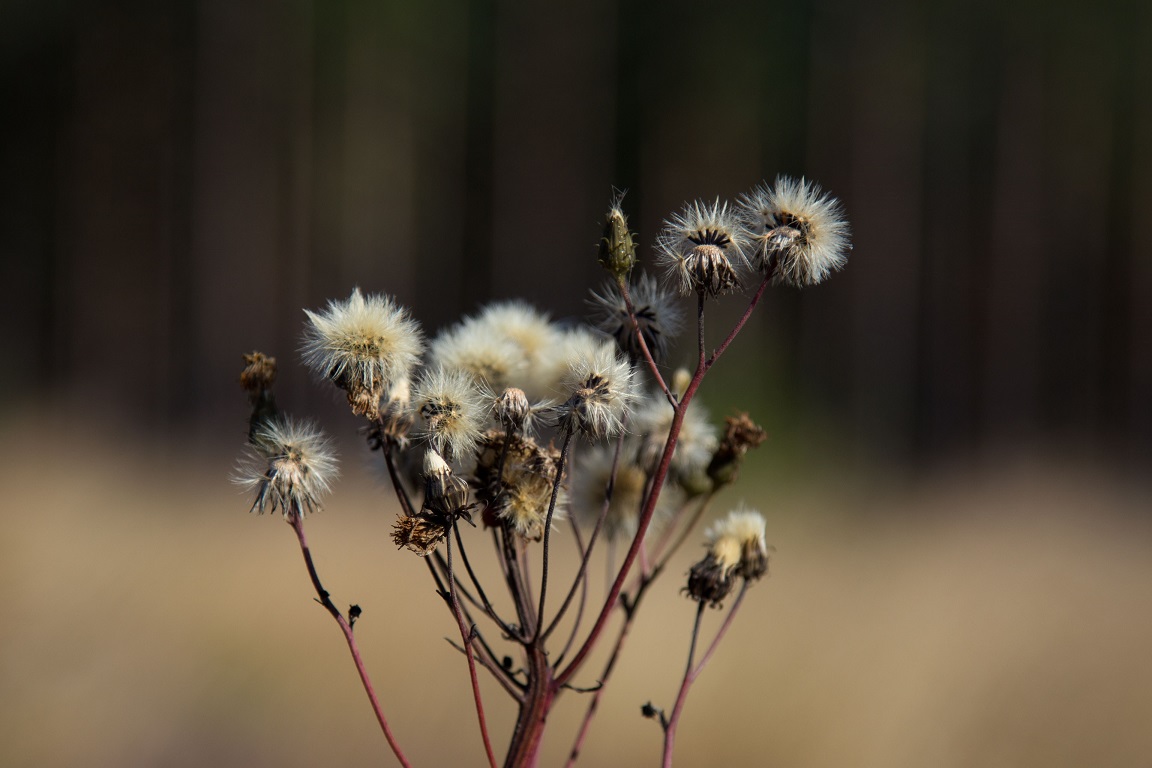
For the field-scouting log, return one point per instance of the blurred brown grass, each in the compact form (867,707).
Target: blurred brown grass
(995,619)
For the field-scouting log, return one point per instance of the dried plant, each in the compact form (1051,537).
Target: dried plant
(527,430)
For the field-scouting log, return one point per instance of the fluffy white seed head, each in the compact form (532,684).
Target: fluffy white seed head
(589,482)
(798,228)
(453,411)
(599,387)
(289,464)
(362,344)
(702,248)
(488,359)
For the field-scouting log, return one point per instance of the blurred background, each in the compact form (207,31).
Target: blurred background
(957,478)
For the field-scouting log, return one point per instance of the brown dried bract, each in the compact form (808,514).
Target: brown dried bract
(419,533)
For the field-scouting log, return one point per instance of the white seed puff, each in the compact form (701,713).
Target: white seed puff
(799,227)
(290,465)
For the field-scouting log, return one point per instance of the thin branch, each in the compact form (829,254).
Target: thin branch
(581,574)
(739,323)
(548,533)
(693,672)
(623,284)
(466,637)
(297,523)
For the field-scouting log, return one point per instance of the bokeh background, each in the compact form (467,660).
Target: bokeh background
(957,481)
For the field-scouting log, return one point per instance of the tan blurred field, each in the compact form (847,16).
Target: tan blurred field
(1002,619)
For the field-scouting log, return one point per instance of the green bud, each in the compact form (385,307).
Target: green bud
(618,246)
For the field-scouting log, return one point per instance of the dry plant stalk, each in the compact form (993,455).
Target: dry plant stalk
(527,430)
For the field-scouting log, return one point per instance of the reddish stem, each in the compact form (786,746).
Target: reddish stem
(693,672)
(466,638)
(297,523)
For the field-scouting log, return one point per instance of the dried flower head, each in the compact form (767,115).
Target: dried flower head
(445,499)
(512,410)
(618,246)
(599,387)
(256,379)
(657,317)
(736,548)
(798,229)
(290,465)
(519,492)
(361,345)
(741,434)
(453,409)
(396,416)
(702,248)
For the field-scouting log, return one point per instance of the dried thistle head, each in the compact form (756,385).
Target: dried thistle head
(360,345)
(798,229)
(518,491)
(736,548)
(256,379)
(741,434)
(618,246)
(445,499)
(290,465)
(453,411)
(657,317)
(599,387)
(703,249)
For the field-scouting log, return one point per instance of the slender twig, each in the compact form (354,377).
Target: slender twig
(548,533)
(582,572)
(623,283)
(693,672)
(390,461)
(466,637)
(487,605)
(594,704)
(739,323)
(297,523)
(582,580)
(663,556)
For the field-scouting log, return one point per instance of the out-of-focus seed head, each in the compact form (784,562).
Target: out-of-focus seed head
(489,359)
(741,434)
(618,246)
(703,249)
(695,444)
(657,317)
(290,465)
(360,345)
(798,230)
(256,379)
(453,411)
(590,482)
